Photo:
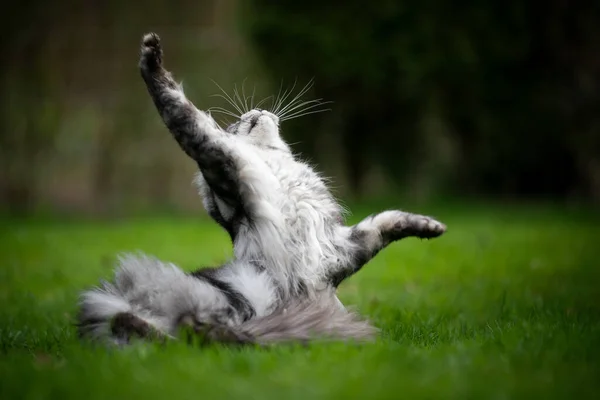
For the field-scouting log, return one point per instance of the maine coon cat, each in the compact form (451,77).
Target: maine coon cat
(291,248)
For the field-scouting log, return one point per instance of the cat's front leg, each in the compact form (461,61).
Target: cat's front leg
(395,225)
(232,169)
(374,233)
(195,131)
(377,231)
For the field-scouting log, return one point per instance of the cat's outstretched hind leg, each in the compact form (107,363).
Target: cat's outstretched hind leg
(375,232)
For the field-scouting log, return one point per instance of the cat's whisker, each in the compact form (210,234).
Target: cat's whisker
(227,100)
(236,95)
(244,94)
(283,104)
(312,108)
(225,96)
(262,101)
(252,98)
(284,109)
(276,98)
(223,123)
(298,107)
(304,106)
(226,113)
(286,94)
(293,116)
(223,111)
(305,89)
(277,103)
(296,98)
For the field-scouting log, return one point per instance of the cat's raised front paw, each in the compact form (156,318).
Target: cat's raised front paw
(416,225)
(428,228)
(151,53)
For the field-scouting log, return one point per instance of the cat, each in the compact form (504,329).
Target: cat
(291,248)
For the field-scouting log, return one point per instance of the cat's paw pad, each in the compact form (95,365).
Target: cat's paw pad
(151,53)
(151,40)
(430,228)
(419,226)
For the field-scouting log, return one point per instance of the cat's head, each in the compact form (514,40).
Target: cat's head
(260,127)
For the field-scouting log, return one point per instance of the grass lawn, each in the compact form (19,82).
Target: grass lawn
(505,305)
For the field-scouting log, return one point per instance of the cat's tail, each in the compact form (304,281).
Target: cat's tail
(304,320)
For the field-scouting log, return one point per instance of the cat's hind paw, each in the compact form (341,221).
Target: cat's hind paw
(151,53)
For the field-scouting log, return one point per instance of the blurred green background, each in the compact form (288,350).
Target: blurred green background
(431,99)
(483,114)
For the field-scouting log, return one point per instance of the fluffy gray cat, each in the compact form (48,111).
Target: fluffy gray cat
(290,244)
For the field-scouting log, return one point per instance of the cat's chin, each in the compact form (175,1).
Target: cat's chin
(268,121)
(272,116)
(264,131)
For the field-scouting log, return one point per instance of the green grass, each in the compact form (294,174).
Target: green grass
(505,305)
